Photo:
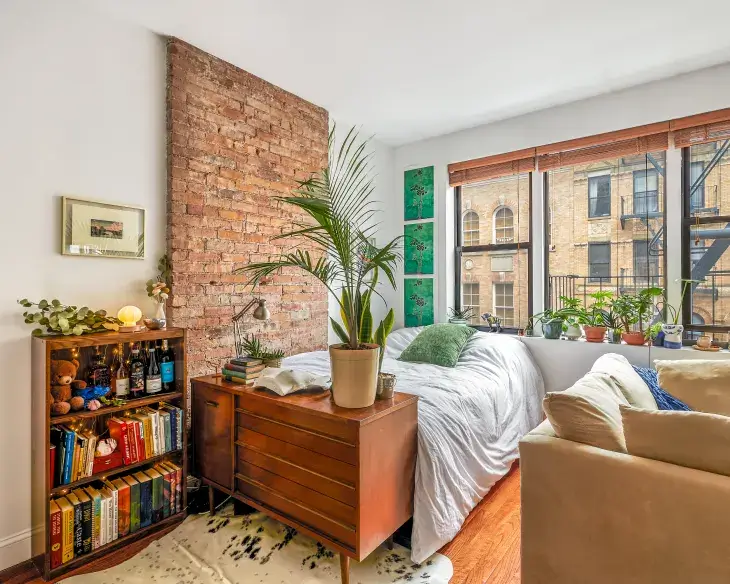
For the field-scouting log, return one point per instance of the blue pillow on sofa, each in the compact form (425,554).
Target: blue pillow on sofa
(665,401)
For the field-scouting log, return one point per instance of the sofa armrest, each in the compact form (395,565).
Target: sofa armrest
(591,515)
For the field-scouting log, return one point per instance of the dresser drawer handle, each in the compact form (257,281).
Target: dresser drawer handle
(212,404)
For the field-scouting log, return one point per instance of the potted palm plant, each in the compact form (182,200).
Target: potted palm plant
(338,207)
(594,317)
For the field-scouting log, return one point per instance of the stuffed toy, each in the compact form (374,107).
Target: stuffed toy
(63,381)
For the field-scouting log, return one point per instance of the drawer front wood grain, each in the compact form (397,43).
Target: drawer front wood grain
(305,496)
(212,430)
(337,428)
(300,513)
(329,467)
(340,491)
(330,447)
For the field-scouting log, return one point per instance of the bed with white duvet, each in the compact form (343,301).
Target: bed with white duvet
(470,421)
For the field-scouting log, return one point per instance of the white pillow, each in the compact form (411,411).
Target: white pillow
(689,439)
(636,392)
(703,384)
(589,412)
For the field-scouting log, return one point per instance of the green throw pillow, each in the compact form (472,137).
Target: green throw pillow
(438,344)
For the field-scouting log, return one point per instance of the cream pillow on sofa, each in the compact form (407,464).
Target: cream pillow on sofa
(702,384)
(635,390)
(691,439)
(589,412)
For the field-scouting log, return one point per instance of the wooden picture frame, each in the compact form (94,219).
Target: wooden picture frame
(100,229)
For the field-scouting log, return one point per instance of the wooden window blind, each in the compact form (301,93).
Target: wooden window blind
(480,169)
(701,128)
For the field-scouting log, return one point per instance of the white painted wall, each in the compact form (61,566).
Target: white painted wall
(696,92)
(390,226)
(82,112)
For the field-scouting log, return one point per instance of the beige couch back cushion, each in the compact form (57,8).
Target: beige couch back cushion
(690,439)
(635,391)
(702,384)
(589,412)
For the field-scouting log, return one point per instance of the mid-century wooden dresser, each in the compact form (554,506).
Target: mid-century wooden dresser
(345,477)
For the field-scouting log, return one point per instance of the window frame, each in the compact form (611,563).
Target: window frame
(494,298)
(646,172)
(494,223)
(702,190)
(593,245)
(688,221)
(610,194)
(471,294)
(478,229)
(460,249)
(651,279)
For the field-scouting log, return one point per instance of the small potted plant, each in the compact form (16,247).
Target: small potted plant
(552,321)
(655,334)
(572,313)
(461,315)
(673,331)
(636,312)
(595,317)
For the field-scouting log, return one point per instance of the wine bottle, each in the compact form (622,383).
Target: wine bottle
(167,367)
(120,378)
(136,373)
(98,375)
(153,376)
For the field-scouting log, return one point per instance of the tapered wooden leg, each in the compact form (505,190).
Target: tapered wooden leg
(344,569)
(389,542)
(211,500)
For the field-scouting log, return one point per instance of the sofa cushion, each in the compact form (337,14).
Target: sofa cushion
(664,399)
(690,439)
(635,391)
(438,344)
(703,384)
(589,412)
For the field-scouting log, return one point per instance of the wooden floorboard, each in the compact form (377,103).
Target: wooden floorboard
(486,551)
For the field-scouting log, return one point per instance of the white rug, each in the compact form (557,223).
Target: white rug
(249,549)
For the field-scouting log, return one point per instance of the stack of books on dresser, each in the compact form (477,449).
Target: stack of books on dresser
(243,370)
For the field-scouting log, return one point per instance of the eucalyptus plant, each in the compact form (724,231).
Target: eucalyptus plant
(59,318)
(339,221)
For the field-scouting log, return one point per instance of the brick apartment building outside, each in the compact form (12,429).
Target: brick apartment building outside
(605,231)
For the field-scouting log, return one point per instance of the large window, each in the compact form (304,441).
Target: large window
(504,304)
(599,195)
(706,239)
(494,278)
(599,261)
(592,249)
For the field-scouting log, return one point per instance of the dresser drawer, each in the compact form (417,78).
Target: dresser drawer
(213,427)
(310,498)
(321,424)
(298,513)
(292,453)
(330,447)
(336,490)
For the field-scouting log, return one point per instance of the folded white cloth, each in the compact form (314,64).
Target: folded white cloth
(286,381)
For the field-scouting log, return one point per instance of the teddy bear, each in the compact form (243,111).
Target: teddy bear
(63,381)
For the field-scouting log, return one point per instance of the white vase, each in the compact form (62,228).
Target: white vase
(573,332)
(160,315)
(673,335)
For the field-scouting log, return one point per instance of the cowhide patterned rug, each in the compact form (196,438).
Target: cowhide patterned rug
(248,549)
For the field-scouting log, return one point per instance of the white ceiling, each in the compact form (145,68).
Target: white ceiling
(410,69)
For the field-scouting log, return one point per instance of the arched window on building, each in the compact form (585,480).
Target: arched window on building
(471,228)
(504,225)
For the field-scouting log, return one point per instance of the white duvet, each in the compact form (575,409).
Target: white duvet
(470,421)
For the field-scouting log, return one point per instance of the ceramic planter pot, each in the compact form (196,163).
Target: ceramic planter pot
(573,332)
(354,375)
(458,321)
(672,335)
(635,338)
(594,334)
(386,386)
(552,329)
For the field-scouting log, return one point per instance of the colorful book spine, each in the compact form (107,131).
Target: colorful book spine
(158,494)
(87,520)
(115,509)
(103,518)
(124,506)
(246,361)
(55,536)
(69,441)
(145,499)
(118,431)
(242,369)
(167,426)
(133,503)
(239,375)
(67,530)
(78,524)
(167,493)
(90,459)
(173,428)
(155,422)
(95,497)
(178,485)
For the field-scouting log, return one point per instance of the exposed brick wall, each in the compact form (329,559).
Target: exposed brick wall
(234,142)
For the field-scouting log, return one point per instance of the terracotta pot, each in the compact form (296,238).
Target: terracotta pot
(594,334)
(636,338)
(386,386)
(354,375)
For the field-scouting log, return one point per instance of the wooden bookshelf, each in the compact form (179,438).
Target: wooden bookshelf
(59,347)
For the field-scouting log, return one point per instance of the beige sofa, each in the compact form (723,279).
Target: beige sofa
(594,516)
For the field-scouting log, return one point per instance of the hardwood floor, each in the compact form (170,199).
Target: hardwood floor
(486,551)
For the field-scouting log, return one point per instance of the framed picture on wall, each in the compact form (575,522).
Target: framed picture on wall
(418,301)
(418,194)
(98,229)
(418,247)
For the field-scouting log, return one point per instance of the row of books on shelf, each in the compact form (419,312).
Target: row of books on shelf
(139,435)
(90,517)
(243,370)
